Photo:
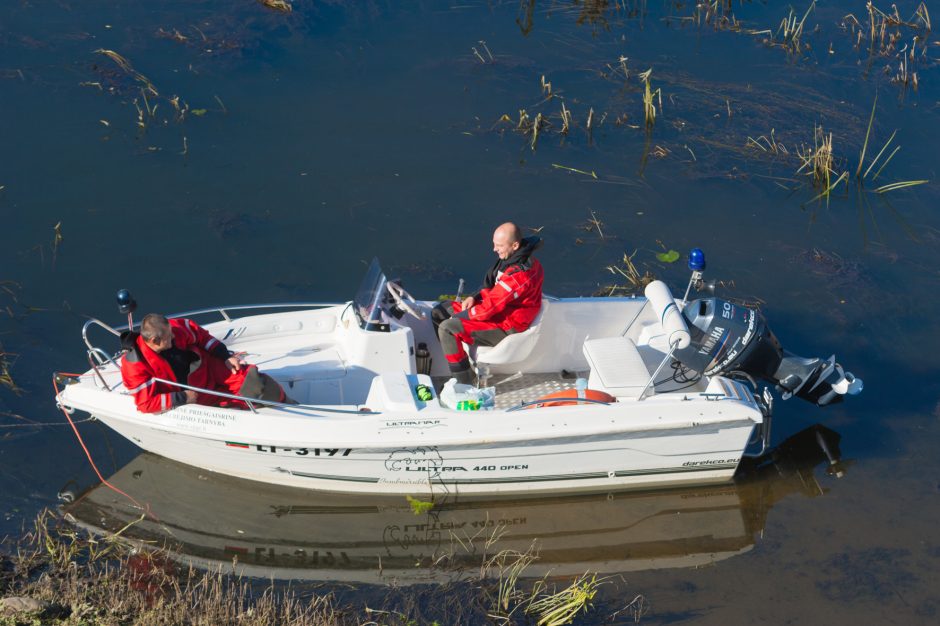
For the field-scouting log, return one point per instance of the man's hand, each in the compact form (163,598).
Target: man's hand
(467,303)
(190,396)
(234,363)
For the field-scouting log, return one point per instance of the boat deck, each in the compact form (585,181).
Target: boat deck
(514,389)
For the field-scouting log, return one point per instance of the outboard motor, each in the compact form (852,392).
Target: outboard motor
(728,338)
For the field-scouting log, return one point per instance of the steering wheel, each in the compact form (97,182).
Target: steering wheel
(404,300)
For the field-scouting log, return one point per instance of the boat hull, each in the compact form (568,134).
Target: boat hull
(618,459)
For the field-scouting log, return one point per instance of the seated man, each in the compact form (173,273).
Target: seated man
(508,302)
(182,351)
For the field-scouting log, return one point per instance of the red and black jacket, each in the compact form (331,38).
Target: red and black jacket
(512,290)
(141,365)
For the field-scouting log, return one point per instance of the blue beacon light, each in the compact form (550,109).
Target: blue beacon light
(697,265)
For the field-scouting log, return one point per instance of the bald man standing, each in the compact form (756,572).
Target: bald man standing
(508,302)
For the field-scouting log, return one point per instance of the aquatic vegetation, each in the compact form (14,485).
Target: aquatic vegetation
(128,69)
(649,98)
(592,173)
(885,32)
(278,5)
(490,59)
(419,507)
(790,30)
(508,566)
(6,377)
(56,240)
(86,579)
(543,601)
(668,256)
(817,161)
(627,269)
(561,607)
(595,224)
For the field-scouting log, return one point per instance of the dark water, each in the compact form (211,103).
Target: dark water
(317,139)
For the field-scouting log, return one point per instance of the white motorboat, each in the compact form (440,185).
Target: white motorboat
(671,396)
(272,532)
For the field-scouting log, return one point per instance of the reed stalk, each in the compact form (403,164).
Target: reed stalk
(649,98)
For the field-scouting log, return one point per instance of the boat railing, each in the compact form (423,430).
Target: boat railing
(97,357)
(251,402)
(102,357)
(543,402)
(223,311)
(667,359)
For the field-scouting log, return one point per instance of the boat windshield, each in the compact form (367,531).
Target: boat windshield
(369,297)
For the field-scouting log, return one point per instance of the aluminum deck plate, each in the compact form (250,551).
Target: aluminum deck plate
(514,389)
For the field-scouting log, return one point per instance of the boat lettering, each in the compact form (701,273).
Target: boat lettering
(490,523)
(305,451)
(741,341)
(202,418)
(298,557)
(435,468)
(713,338)
(421,482)
(414,424)
(712,462)
(436,526)
(710,494)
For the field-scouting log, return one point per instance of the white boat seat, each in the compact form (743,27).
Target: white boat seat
(616,367)
(514,348)
(394,391)
(271,328)
(289,363)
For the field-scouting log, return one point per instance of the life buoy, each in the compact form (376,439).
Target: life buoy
(552,399)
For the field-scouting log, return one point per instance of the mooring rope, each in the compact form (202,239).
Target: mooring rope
(104,481)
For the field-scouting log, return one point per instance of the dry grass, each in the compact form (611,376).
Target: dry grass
(817,161)
(650,98)
(84,580)
(635,280)
(278,5)
(886,34)
(790,31)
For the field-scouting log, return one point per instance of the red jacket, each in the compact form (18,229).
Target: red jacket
(141,365)
(512,293)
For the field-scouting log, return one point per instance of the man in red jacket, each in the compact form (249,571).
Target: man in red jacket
(182,351)
(508,302)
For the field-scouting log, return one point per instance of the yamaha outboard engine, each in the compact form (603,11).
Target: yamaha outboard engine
(729,338)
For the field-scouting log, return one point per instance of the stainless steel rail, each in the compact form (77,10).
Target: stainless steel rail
(223,311)
(672,349)
(252,401)
(543,401)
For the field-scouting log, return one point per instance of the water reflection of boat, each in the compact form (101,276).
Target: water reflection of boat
(281,532)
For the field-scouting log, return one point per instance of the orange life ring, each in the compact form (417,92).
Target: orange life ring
(590,394)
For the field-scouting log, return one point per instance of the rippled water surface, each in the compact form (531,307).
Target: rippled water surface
(232,154)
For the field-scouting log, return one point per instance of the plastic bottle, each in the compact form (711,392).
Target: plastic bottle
(581,385)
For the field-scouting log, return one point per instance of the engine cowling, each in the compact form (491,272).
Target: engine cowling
(728,338)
